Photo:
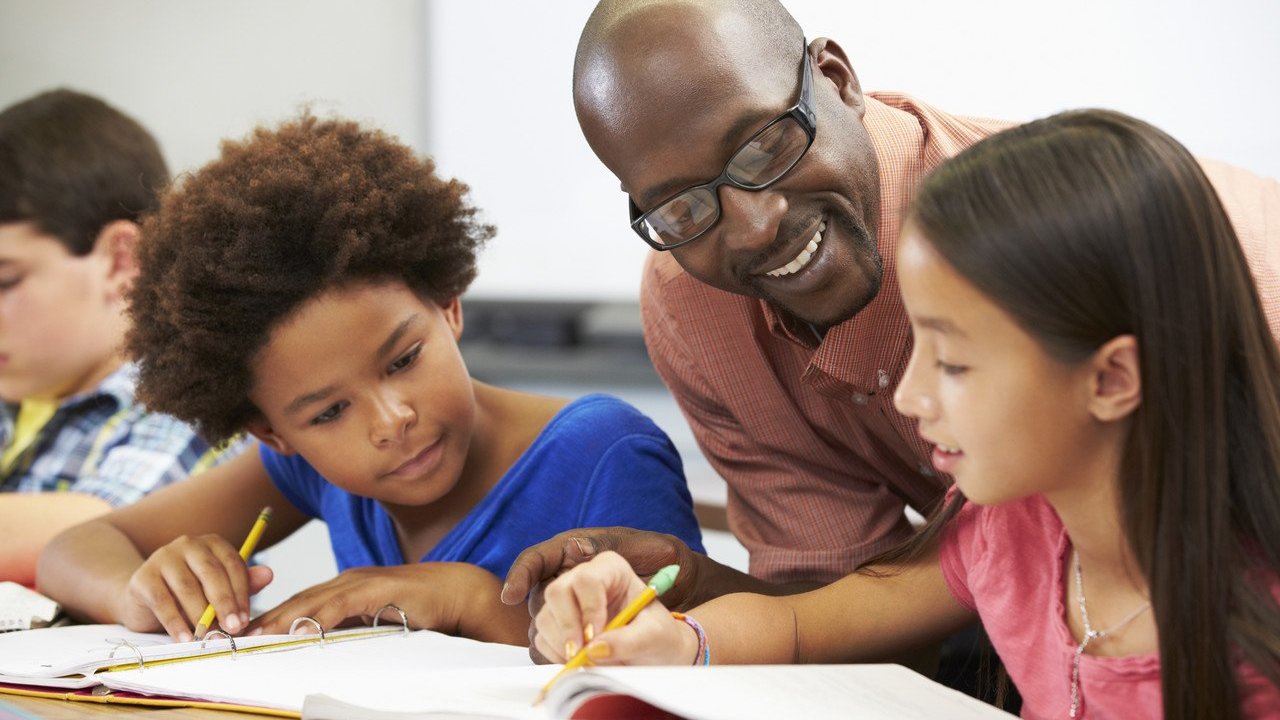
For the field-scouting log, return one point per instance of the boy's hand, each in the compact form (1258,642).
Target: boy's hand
(579,603)
(172,588)
(453,598)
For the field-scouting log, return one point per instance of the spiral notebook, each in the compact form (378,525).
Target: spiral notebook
(268,674)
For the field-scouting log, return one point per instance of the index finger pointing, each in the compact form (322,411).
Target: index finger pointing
(543,562)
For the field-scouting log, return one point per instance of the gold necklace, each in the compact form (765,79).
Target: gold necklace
(1089,633)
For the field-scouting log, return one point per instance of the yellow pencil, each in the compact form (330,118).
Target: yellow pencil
(246,550)
(661,582)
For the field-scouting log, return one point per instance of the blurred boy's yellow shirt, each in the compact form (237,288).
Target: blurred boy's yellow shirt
(32,416)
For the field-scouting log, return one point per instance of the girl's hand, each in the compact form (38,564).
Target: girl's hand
(580,602)
(172,588)
(453,598)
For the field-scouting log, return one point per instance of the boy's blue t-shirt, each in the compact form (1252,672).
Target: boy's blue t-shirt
(598,462)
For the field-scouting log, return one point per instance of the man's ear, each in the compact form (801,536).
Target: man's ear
(117,246)
(453,316)
(831,61)
(262,430)
(1116,377)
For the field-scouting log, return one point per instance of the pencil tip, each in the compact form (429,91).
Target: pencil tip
(201,629)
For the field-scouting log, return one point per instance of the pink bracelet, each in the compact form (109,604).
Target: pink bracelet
(703,656)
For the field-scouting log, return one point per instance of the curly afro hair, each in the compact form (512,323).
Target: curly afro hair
(280,218)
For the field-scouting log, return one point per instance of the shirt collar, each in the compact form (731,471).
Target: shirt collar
(118,387)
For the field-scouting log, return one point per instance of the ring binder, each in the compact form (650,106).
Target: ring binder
(137,651)
(307,618)
(404,619)
(230,639)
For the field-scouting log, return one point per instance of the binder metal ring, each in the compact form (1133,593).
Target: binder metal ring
(230,639)
(404,619)
(307,618)
(125,643)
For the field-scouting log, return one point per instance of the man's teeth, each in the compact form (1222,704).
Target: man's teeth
(948,450)
(803,258)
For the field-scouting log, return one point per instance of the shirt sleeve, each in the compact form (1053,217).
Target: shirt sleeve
(962,543)
(295,478)
(800,517)
(145,455)
(638,483)
(1252,203)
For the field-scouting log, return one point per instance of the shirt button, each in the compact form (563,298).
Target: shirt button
(925,470)
(859,399)
(884,378)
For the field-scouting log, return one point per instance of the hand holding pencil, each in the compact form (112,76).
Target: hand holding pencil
(601,612)
(246,549)
(191,580)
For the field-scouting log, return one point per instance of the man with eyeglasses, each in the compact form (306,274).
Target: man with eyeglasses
(771,310)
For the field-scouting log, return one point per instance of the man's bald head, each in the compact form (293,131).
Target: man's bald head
(692,48)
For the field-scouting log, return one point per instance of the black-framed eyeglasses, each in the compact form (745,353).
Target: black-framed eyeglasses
(757,164)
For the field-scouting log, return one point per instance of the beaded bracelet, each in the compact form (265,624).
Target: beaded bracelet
(703,656)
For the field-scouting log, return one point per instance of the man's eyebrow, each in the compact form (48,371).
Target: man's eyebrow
(732,141)
(942,325)
(384,349)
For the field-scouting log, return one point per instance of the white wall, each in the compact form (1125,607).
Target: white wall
(195,72)
(484,85)
(1203,71)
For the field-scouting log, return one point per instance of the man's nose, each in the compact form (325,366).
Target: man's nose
(750,218)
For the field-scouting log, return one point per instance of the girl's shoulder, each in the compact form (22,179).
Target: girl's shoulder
(603,417)
(1023,530)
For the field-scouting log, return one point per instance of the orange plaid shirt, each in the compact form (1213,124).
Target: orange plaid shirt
(819,464)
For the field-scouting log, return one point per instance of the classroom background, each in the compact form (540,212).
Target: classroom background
(484,87)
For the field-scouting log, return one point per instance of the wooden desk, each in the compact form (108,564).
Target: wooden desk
(17,706)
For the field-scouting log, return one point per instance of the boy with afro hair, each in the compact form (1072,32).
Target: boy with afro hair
(305,288)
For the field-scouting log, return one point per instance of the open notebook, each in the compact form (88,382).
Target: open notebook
(391,674)
(270,674)
(719,692)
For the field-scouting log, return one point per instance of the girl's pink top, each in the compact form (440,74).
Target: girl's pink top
(1007,563)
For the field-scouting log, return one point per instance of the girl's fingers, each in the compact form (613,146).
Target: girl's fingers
(151,589)
(217,573)
(233,608)
(559,622)
(187,590)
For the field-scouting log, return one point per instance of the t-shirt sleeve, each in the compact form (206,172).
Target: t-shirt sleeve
(962,544)
(295,478)
(639,482)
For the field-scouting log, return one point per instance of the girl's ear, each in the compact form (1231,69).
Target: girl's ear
(1116,379)
(453,316)
(262,430)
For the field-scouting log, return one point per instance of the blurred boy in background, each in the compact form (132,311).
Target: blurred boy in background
(75,176)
